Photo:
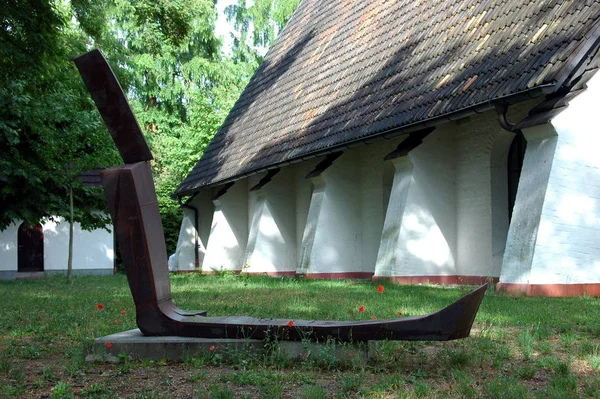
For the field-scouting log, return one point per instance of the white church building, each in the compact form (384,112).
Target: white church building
(443,142)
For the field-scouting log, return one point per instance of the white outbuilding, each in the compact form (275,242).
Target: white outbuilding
(42,249)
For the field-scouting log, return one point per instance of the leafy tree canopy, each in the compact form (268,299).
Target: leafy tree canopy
(169,62)
(49,130)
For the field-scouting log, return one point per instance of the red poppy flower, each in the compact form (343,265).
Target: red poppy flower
(399,313)
(100,306)
(290,323)
(117,320)
(123,311)
(108,345)
(373,317)
(361,309)
(212,348)
(380,288)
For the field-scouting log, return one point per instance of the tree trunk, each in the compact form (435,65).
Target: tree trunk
(70,258)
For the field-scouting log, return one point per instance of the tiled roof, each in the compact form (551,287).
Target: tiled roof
(343,71)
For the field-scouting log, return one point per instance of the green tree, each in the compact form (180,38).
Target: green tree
(49,129)
(180,87)
(170,65)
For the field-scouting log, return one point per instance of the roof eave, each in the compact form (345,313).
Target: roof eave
(478,108)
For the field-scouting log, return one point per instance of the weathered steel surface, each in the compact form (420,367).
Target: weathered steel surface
(133,206)
(113,106)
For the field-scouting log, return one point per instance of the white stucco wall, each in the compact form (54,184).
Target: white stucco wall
(8,251)
(184,257)
(206,209)
(93,251)
(565,247)
(387,264)
(228,237)
(272,236)
(481,195)
(332,239)
(347,210)
(522,233)
(426,245)
(374,191)
(303,190)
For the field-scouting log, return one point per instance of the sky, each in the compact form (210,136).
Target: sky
(224,28)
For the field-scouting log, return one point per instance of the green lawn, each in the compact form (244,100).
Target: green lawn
(520,347)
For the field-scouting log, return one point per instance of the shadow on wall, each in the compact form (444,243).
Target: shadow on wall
(275,240)
(230,241)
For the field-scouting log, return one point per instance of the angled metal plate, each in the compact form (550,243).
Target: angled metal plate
(108,95)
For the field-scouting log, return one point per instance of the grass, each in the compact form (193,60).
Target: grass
(519,347)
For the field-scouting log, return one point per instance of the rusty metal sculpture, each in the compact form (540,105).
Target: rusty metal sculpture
(132,202)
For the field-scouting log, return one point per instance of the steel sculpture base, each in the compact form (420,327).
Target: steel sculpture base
(133,205)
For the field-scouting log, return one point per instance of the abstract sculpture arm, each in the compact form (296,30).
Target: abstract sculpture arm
(133,205)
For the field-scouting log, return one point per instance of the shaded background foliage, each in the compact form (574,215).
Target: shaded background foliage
(49,130)
(171,66)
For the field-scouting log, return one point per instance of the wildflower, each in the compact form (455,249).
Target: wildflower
(117,320)
(123,311)
(290,323)
(399,313)
(108,345)
(212,348)
(361,309)
(380,288)
(100,306)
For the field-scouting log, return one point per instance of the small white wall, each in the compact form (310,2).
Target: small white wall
(228,237)
(8,251)
(272,237)
(564,249)
(92,250)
